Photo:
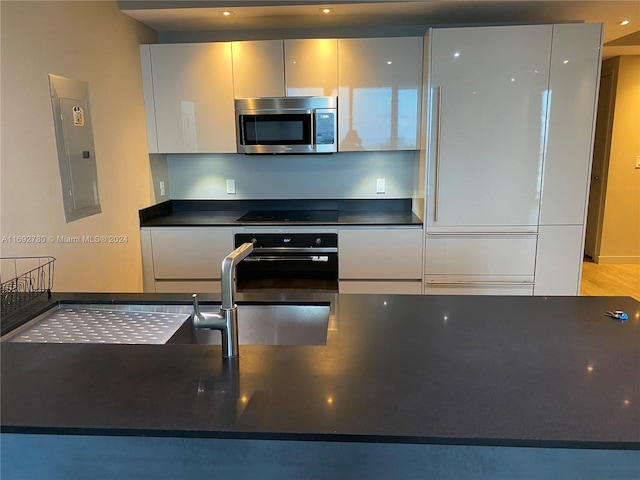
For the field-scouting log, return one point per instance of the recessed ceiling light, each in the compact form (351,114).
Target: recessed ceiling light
(326,10)
(226,13)
(624,22)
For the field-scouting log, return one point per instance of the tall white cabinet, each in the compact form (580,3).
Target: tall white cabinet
(510,116)
(488,88)
(573,83)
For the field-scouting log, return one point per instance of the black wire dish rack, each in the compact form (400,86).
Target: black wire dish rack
(31,280)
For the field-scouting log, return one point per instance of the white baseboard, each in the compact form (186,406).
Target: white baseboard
(612,260)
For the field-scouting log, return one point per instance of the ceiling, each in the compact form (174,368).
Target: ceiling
(205,16)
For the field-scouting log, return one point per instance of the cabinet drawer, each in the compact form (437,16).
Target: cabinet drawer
(190,253)
(177,286)
(478,289)
(380,287)
(486,257)
(385,254)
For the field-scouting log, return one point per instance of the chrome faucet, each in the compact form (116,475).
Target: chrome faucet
(225,320)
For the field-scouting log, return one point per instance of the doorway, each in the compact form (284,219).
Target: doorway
(600,164)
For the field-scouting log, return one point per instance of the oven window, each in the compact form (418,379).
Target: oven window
(288,272)
(281,129)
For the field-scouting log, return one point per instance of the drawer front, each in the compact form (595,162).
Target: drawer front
(481,257)
(380,287)
(190,253)
(169,286)
(385,254)
(478,289)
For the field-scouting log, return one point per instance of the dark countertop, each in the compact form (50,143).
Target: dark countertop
(224,213)
(514,371)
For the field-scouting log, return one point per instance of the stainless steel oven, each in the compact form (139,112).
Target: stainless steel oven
(296,261)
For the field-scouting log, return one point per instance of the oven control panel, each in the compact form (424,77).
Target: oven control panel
(293,240)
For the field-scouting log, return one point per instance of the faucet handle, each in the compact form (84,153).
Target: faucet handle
(196,307)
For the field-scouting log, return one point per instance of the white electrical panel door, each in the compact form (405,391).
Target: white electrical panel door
(488,94)
(76,152)
(379,96)
(193,95)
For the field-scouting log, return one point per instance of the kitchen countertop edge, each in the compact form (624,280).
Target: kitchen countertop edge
(225,213)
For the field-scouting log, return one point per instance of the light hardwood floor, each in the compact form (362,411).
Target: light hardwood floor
(610,280)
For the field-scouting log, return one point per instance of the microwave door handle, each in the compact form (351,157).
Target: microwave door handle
(242,132)
(313,129)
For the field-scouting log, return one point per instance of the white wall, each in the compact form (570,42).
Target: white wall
(96,43)
(340,175)
(621,223)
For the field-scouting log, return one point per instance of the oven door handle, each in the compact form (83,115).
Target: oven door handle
(292,250)
(287,258)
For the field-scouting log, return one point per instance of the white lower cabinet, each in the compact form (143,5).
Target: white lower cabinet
(559,260)
(407,287)
(380,260)
(480,264)
(431,288)
(184,259)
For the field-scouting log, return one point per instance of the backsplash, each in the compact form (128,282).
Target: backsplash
(340,175)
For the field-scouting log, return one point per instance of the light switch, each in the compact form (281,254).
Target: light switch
(231,185)
(162,191)
(380,185)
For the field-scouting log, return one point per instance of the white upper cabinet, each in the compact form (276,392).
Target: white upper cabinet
(149,105)
(258,69)
(380,84)
(192,98)
(488,99)
(311,67)
(573,85)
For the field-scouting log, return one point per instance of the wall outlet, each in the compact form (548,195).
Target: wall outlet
(231,185)
(380,185)
(162,191)
(638,161)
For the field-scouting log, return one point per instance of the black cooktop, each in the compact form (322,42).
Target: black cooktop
(290,216)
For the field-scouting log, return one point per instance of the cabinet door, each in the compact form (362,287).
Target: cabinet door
(149,104)
(393,287)
(380,84)
(193,94)
(575,72)
(382,254)
(258,69)
(559,260)
(489,98)
(190,253)
(311,67)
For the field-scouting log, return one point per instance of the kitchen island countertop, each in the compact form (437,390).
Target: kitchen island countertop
(515,371)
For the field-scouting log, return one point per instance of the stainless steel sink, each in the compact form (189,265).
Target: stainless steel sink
(275,325)
(258,324)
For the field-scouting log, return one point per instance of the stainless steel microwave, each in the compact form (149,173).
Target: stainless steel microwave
(286,125)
